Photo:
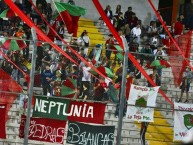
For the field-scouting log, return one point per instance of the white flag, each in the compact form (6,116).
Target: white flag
(183,120)
(140,97)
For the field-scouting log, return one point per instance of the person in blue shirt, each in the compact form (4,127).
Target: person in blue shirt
(46,78)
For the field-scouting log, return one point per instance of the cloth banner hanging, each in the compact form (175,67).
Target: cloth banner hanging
(7,87)
(2,121)
(139,98)
(79,133)
(183,120)
(64,109)
(44,129)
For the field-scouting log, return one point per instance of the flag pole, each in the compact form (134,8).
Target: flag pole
(122,94)
(30,91)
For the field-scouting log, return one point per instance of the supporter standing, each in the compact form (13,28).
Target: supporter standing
(18,4)
(120,22)
(128,14)
(47,59)
(136,32)
(16,58)
(86,79)
(132,21)
(60,31)
(185,86)
(109,44)
(49,12)
(46,78)
(152,30)
(159,53)
(84,41)
(109,12)
(100,90)
(155,18)
(27,6)
(43,4)
(154,77)
(116,16)
(22,99)
(27,31)
(118,10)
(143,130)
(2,37)
(154,42)
(179,26)
(147,54)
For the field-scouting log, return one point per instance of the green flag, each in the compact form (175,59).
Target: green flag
(70,14)
(72,9)
(119,53)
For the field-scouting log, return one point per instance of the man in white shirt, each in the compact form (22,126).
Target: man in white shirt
(136,32)
(86,78)
(84,41)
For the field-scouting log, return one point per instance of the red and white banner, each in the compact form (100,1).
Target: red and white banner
(91,112)
(43,129)
(2,121)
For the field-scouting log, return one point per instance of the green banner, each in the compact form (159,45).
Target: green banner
(51,108)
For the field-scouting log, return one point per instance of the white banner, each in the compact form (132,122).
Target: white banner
(140,97)
(183,120)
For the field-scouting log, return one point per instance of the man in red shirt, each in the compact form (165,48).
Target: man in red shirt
(179,26)
(109,45)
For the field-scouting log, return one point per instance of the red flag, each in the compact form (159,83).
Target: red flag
(44,129)
(2,121)
(70,21)
(70,14)
(7,84)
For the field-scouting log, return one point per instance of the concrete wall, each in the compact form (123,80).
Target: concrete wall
(140,7)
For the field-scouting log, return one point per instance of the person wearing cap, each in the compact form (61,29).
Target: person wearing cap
(185,86)
(109,45)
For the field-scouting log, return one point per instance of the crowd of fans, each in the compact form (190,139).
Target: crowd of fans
(53,69)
